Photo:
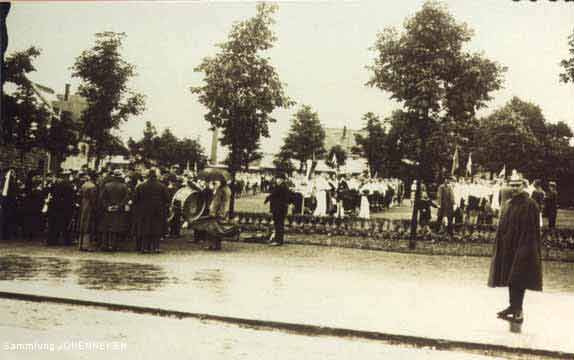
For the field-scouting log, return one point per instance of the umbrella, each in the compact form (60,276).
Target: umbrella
(211,174)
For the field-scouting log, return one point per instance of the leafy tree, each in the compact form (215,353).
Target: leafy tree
(145,149)
(426,70)
(27,122)
(373,145)
(340,154)
(104,78)
(568,64)
(306,137)
(282,163)
(62,137)
(167,149)
(518,136)
(24,114)
(514,136)
(241,88)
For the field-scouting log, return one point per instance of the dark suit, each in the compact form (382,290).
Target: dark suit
(114,221)
(60,211)
(151,203)
(279,204)
(445,199)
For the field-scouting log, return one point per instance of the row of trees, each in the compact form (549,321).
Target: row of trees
(28,122)
(424,67)
(167,149)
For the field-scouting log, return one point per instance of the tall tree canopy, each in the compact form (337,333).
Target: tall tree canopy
(241,88)
(104,76)
(373,145)
(167,149)
(518,136)
(27,121)
(426,69)
(306,137)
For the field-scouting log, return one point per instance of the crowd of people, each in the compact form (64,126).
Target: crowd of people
(345,195)
(251,183)
(102,210)
(479,201)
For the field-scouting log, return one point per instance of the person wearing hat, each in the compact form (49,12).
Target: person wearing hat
(516,262)
(114,221)
(278,200)
(551,205)
(445,201)
(538,195)
(88,205)
(219,209)
(151,202)
(60,209)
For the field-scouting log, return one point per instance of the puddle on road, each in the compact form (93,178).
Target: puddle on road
(14,267)
(103,275)
(90,274)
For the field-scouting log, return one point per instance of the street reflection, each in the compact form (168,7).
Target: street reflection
(103,275)
(15,267)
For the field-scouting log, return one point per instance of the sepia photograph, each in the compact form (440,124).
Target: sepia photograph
(292,179)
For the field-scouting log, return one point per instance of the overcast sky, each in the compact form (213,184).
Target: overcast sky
(321,52)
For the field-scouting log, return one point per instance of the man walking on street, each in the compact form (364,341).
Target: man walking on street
(516,262)
(279,204)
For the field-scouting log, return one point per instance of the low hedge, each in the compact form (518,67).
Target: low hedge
(389,229)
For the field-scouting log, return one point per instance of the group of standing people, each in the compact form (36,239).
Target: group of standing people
(107,210)
(111,210)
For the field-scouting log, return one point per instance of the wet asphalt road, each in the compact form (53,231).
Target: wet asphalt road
(428,296)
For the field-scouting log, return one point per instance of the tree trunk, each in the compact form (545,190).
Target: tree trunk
(422,159)
(232,202)
(414,218)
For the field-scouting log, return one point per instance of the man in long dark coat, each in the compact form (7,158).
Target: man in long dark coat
(516,262)
(151,203)
(89,200)
(445,201)
(60,210)
(114,221)
(551,205)
(279,199)
(219,211)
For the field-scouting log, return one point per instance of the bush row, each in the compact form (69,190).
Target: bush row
(389,229)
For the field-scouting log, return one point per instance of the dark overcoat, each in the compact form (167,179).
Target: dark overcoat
(151,201)
(516,260)
(89,200)
(279,200)
(113,198)
(219,206)
(62,202)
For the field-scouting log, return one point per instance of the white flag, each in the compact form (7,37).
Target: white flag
(502,173)
(6,183)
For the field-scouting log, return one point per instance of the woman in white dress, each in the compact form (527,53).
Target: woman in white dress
(364,209)
(321,186)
